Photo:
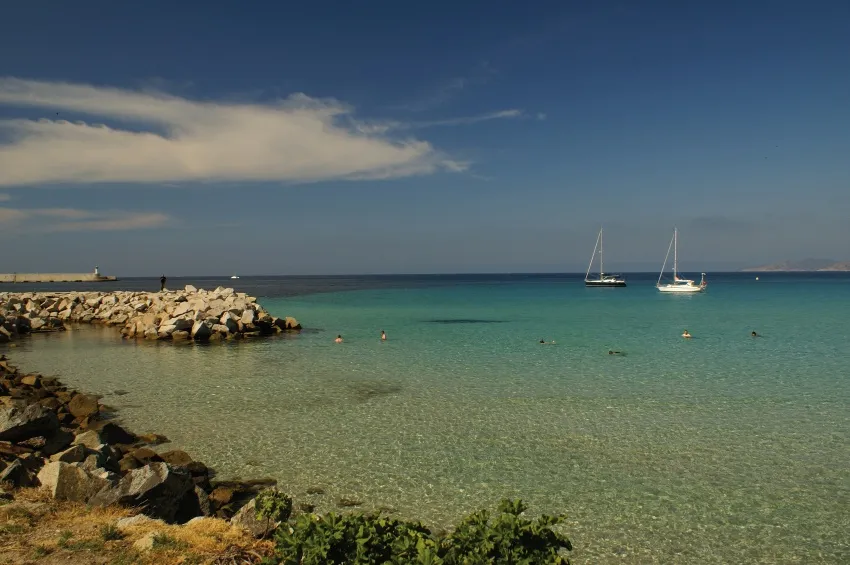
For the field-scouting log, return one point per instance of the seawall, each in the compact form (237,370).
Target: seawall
(54,277)
(188,314)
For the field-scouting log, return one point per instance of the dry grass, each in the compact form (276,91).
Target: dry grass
(35,529)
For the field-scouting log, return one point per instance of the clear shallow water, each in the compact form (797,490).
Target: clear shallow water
(723,448)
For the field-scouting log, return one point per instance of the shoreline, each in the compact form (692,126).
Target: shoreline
(60,439)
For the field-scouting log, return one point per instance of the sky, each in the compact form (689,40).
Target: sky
(208,138)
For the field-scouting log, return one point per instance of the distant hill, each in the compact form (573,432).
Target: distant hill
(803,265)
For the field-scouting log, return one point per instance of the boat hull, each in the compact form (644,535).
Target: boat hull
(605,283)
(681,289)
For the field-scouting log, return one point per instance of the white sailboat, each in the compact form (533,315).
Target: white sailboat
(602,279)
(678,285)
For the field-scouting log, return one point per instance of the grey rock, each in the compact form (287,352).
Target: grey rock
(90,439)
(16,474)
(246,518)
(18,424)
(200,331)
(59,441)
(67,481)
(156,488)
(195,503)
(137,520)
(165,330)
(248,317)
(73,455)
(83,405)
(180,335)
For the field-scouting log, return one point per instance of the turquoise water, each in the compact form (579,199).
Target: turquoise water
(723,448)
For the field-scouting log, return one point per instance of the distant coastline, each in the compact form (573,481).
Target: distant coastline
(805,265)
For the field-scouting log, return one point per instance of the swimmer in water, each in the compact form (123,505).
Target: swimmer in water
(383,335)
(543,342)
(754,334)
(338,339)
(611,352)
(686,335)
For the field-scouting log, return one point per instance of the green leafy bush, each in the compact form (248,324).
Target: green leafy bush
(273,505)
(371,539)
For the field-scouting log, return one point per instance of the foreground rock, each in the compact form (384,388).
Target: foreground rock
(157,489)
(55,437)
(189,314)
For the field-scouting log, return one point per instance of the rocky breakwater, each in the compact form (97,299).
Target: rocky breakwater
(188,314)
(63,441)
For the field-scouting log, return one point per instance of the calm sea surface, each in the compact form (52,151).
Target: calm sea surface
(721,449)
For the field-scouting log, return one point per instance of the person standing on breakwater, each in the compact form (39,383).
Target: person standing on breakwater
(162,280)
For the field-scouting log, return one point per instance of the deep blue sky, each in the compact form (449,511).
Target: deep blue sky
(728,119)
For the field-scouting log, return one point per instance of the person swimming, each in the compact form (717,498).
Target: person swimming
(338,339)
(612,352)
(754,334)
(686,335)
(383,335)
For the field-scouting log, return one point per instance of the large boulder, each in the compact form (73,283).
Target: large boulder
(181,309)
(66,481)
(195,503)
(83,405)
(18,424)
(201,331)
(71,455)
(176,457)
(156,489)
(59,441)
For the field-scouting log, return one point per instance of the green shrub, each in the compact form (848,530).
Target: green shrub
(273,505)
(367,539)
(110,533)
(506,538)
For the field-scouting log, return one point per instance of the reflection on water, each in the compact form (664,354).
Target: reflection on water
(724,449)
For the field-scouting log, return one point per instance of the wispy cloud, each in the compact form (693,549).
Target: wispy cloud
(299,139)
(388,126)
(71,219)
(501,115)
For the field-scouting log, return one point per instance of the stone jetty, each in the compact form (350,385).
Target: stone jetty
(63,441)
(188,314)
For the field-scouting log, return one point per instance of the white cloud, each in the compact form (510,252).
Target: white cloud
(71,219)
(297,139)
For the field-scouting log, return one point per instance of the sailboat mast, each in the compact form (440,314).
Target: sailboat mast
(592,257)
(675,252)
(601,268)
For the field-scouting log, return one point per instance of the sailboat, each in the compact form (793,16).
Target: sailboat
(602,279)
(678,285)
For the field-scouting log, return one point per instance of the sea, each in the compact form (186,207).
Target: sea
(724,448)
